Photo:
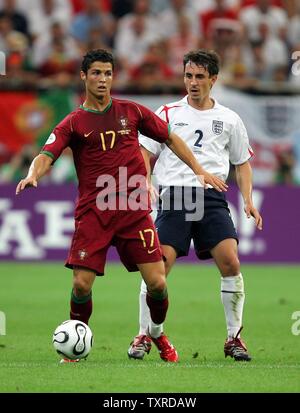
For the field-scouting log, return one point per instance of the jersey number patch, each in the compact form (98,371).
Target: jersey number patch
(200,136)
(108,139)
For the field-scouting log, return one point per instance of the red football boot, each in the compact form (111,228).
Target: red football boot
(166,350)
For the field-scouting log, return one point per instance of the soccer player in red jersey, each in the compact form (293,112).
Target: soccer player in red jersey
(103,136)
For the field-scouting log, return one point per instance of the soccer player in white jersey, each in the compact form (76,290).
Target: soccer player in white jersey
(217,136)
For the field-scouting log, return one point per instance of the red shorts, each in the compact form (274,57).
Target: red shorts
(132,232)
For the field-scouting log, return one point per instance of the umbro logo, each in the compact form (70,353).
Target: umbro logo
(181,124)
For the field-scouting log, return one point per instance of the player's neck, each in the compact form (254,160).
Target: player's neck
(97,104)
(202,104)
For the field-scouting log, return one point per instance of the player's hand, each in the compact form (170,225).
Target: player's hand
(215,182)
(251,211)
(26,183)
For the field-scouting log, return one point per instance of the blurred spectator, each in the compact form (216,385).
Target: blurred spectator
(15,45)
(19,21)
(153,74)
(237,76)
(95,40)
(55,56)
(45,13)
(78,5)
(133,41)
(269,54)
(263,12)
(180,43)
(5,29)
(157,6)
(141,9)
(204,5)
(294,27)
(93,17)
(168,19)
(219,11)
(225,38)
(277,3)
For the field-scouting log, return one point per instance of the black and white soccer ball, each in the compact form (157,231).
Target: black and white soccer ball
(73,339)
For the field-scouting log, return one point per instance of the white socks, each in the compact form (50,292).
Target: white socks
(144,310)
(233,297)
(146,324)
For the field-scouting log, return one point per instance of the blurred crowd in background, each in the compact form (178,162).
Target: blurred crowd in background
(44,40)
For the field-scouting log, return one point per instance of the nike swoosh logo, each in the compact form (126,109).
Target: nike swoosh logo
(152,251)
(86,135)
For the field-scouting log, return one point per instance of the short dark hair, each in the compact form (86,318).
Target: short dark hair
(209,59)
(97,55)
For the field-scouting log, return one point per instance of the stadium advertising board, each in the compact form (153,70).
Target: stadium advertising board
(38,224)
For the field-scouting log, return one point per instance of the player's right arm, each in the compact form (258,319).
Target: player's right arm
(181,149)
(155,130)
(38,168)
(147,155)
(58,140)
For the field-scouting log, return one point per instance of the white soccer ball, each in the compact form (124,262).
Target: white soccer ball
(73,339)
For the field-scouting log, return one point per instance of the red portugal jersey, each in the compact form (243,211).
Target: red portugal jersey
(103,142)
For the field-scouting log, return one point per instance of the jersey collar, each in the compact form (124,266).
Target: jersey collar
(99,112)
(185,100)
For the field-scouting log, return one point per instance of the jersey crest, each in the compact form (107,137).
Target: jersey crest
(217,127)
(123,121)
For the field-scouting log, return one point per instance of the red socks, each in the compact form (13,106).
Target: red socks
(81,307)
(158,308)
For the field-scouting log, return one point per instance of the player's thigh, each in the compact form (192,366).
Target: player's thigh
(225,255)
(90,243)
(215,226)
(137,242)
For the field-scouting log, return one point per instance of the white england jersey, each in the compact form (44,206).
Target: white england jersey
(216,136)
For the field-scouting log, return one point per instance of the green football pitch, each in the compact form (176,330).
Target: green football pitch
(35,299)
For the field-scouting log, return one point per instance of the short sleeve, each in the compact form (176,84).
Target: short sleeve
(59,139)
(152,125)
(240,150)
(151,145)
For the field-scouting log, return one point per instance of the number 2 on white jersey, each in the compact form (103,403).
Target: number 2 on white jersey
(200,136)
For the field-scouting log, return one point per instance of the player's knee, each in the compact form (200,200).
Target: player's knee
(158,285)
(81,287)
(231,266)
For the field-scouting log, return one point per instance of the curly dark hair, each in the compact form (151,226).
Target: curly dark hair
(97,55)
(209,59)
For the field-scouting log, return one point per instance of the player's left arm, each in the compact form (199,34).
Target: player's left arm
(244,181)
